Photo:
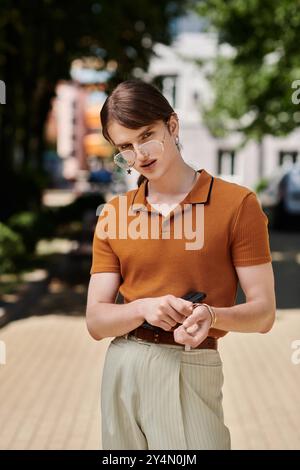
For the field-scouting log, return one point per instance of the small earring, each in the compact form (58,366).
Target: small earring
(177,143)
(129,170)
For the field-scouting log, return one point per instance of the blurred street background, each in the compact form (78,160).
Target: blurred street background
(231,71)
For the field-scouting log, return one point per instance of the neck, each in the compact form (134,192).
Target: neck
(177,180)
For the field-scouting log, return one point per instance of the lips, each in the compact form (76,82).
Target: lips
(149,164)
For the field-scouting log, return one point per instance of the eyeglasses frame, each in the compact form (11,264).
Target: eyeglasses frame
(140,145)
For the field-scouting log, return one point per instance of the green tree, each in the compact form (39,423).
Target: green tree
(253,85)
(38,41)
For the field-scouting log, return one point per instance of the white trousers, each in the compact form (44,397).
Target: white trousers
(156,396)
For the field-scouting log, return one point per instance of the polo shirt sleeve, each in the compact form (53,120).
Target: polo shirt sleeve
(103,257)
(250,237)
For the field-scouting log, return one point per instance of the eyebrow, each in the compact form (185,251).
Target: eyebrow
(140,135)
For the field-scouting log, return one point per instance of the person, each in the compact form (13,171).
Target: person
(180,230)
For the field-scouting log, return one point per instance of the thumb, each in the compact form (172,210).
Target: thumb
(189,321)
(192,329)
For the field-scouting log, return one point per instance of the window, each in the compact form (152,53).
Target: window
(168,86)
(287,157)
(226,162)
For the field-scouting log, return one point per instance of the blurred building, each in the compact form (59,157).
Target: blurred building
(183,81)
(74,123)
(180,71)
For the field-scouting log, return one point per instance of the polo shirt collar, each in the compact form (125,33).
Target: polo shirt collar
(199,193)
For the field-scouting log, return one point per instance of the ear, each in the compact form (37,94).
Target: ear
(173,124)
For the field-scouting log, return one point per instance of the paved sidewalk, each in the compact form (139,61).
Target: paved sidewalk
(49,387)
(261,389)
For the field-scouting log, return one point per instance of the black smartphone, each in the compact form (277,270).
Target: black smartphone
(191,296)
(194,296)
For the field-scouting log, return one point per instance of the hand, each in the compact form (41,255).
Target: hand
(167,311)
(194,329)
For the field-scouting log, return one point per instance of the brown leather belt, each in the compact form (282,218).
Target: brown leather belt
(164,337)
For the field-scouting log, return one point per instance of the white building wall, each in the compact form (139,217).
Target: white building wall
(200,149)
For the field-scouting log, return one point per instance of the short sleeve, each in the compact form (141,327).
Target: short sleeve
(250,237)
(103,257)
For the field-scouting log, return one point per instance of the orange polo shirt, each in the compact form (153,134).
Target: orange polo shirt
(219,225)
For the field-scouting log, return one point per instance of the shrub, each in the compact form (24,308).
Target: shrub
(74,212)
(261,185)
(32,226)
(11,249)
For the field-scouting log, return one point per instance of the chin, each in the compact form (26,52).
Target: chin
(154,175)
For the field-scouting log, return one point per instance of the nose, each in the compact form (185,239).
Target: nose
(142,156)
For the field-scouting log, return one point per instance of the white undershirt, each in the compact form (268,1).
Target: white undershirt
(164,208)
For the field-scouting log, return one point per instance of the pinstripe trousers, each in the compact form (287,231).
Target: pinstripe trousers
(158,396)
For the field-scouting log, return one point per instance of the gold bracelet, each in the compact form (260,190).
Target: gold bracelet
(212,313)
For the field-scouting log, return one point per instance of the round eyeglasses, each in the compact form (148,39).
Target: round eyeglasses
(151,149)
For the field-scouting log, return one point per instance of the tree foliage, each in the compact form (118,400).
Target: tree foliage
(253,86)
(39,39)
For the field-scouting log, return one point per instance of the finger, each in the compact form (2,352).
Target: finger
(165,325)
(174,316)
(168,308)
(184,307)
(199,337)
(192,329)
(182,337)
(169,320)
(191,320)
(172,313)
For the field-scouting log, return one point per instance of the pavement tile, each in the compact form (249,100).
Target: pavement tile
(50,385)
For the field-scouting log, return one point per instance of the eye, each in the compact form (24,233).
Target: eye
(147,134)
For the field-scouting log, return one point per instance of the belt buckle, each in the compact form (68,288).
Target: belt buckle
(136,338)
(139,340)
